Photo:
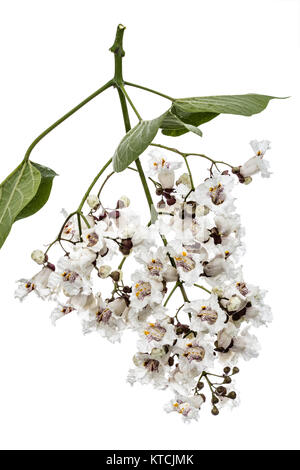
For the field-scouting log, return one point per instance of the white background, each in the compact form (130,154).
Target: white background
(59,389)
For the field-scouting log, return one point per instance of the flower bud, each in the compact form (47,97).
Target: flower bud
(125,200)
(200,385)
(235,370)
(250,167)
(233,304)
(158,353)
(231,395)
(93,201)
(166,178)
(227,380)
(218,291)
(38,256)
(215,400)
(235,169)
(161,204)
(214,267)
(116,275)
(118,306)
(184,179)
(104,271)
(221,390)
(201,211)
(171,200)
(170,274)
(226,370)
(247,180)
(215,411)
(125,246)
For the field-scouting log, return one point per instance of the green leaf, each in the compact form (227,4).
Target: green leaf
(16,191)
(42,194)
(135,142)
(171,126)
(187,127)
(244,105)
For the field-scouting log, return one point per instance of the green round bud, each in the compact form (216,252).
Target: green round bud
(93,201)
(248,180)
(226,370)
(235,370)
(38,256)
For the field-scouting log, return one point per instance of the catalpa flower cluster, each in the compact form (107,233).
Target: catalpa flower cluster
(177,282)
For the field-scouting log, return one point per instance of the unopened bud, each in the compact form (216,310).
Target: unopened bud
(166,178)
(184,179)
(227,380)
(219,292)
(38,256)
(233,304)
(118,306)
(248,180)
(125,200)
(221,390)
(235,370)
(125,246)
(226,370)
(215,400)
(231,395)
(215,411)
(236,169)
(116,275)
(170,275)
(200,385)
(161,204)
(201,211)
(93,201)
(158,353)
(104,271)
(171,200)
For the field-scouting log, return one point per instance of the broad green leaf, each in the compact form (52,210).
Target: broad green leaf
(42,194)
(174,128)
(16,191)
(244,105)
(135,142)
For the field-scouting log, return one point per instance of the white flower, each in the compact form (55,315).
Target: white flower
(68,278)
(260,147)
(188,263)
(157,264)
(37,284)
(105,318)
(155,335)
(257,163)
(93,237)
(207,316)
(145,291)
(149,370)
(195,354)
(187,407)
(60,311)
(215,193)
(159,162)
